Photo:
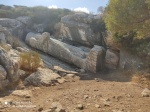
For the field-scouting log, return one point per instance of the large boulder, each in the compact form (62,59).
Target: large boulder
(129,61)
(43,76)
(17,27)
(10,66)
(79,28)
(112,59)
(71,54)
(5,35)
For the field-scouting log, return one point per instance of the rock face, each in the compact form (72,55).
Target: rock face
(17,27)
(77,28)
(90,61)
(10,66)
(44,77)
(3,79)
(5,35)
(2,73)
(8,69)
(112,59)
(129,61)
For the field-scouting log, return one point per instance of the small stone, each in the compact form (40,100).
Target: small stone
(61,80)
(57,107)
(146,92)
(88,104)
(117,111)
(85,97)
(97,79)
(40,109)
(97,106)
(107,99)
(70,75)
(80,106)
(107,102)
(49,110)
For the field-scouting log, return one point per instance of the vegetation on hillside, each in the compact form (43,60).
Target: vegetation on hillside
(124,16)
(129,23)
(39,14)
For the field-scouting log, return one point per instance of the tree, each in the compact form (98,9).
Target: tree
(123,16)
(101,9)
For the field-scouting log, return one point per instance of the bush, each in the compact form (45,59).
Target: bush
(30,61)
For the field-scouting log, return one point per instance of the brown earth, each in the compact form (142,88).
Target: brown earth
(96,93)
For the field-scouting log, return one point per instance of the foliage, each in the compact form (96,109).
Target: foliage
(29,61)
(123,16)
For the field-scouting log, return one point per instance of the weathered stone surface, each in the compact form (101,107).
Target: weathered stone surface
(17,27)
(77,28)
(44,77)
(24,20)
(96,59)
(3,73)
(10,66)
(128,61)
(91,61)
(38,28)
(22,93)
(7,22)
(5,35)
(20,49)
(2,37)
(111,59)
(146,92)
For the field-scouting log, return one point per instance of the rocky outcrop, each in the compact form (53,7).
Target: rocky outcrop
(5,35)
(89,60)
(112,59)
(3,78)
(78,28)
(128,61)
(44,77)
(10,66)
(17,27)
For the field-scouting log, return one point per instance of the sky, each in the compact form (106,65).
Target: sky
(76,5)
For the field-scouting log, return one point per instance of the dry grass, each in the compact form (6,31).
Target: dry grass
(5,46)
(30,61)
(142,78)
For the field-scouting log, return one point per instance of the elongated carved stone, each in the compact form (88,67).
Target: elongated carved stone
(91,61)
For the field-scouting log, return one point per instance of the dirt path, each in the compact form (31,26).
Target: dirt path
(94,96)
